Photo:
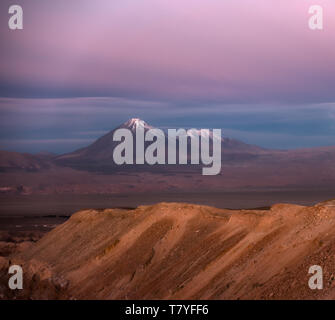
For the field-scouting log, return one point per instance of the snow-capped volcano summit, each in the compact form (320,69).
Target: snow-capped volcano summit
(135,123)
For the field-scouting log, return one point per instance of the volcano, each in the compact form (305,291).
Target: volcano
(99,155)
(92,170)
(101,151)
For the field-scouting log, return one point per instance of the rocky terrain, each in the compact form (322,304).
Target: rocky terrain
(180,251)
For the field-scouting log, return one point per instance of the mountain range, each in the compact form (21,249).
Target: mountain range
(99,155)
(92,169)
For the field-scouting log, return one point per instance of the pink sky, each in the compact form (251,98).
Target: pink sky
(251,67)
(230,50)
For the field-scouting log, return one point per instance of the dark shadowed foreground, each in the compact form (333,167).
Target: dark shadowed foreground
(181,251)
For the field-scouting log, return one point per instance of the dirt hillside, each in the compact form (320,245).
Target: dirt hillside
(182,251)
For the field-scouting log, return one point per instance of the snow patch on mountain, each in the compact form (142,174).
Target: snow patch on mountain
(135,123)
